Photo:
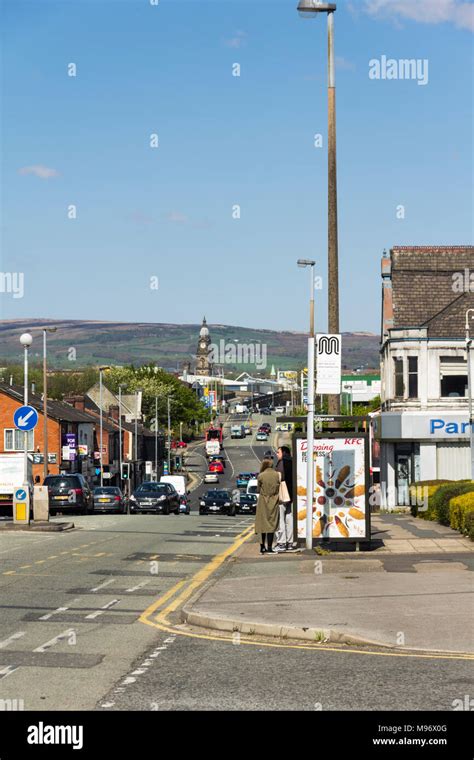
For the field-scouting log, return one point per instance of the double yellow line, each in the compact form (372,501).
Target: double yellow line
(151,617)
(157,615)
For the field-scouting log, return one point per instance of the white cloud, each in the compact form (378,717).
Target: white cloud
(237,40)
(176,217)
(43,172)
(457,12)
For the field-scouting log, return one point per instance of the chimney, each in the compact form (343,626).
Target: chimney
(78,402)
(114,412)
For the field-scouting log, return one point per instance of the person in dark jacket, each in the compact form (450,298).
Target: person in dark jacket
(284,536)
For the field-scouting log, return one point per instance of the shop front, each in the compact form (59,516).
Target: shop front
(421,446)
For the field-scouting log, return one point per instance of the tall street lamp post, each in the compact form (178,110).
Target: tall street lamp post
(45,399)
(120,388)
(26,340)
(310,415)
(169,435)
(470,315)
(307,9)
(135,456)
(101,370)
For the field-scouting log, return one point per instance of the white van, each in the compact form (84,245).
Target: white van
(280,410)
(178,481)
(252,486)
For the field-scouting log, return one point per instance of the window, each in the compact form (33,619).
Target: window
(453,376)
(412,377)
(398,369)
(14,440)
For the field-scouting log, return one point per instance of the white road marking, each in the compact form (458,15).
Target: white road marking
(103,585)
(135,588)
(54,612)
(107,606)
(11,638)
(54,641)
(8,670)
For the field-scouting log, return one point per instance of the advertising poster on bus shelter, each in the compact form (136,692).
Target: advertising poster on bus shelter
(340,501)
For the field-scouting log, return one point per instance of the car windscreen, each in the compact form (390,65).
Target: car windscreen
(218,495)
(107,490)
(63,482)
(152,488)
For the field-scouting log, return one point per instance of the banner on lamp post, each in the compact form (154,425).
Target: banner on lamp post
(328,364)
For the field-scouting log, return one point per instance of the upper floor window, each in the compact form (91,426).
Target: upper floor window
(412,377)
(453,376)
(398,373)
(14,440)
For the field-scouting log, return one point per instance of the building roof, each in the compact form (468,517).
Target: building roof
(427,288)
(57,410)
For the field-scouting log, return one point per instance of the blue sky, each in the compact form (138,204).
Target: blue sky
(224,140)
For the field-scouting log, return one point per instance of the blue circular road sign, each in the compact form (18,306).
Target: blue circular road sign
(20,494)
(25,418)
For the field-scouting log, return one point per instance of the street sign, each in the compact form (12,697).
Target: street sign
(25,418)
(21,494)
(328,364)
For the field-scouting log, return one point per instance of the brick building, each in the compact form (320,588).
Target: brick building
(424,425)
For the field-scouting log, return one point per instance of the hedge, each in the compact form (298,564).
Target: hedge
(415,495)
(461,514)
(441,499)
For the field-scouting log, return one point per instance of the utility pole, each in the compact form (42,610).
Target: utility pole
(156,437)
(169,436)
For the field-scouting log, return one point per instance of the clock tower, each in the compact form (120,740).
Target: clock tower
(203,367)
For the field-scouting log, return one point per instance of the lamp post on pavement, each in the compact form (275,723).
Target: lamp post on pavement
(470,315)
(308,9)
(310,415)
(101,370)
(120,388)
(45,399)
(26,340)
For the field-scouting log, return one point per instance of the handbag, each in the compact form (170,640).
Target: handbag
(284,496)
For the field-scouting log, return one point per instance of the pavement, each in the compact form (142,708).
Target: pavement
(413,591)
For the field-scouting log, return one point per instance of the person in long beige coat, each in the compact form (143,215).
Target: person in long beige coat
(267,514)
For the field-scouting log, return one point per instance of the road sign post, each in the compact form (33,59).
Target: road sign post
(21,505)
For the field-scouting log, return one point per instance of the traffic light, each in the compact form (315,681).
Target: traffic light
(125,474)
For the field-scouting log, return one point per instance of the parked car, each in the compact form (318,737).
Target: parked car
(262,436)
(217,502)
(181,445)
(154,497)
(109,499)
(211,477)
(69,493)
(265,410)
(247,430)
(247,504)
(280,410)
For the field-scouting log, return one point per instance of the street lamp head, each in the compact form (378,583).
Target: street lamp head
(305,263)
(26,340)
(307,8)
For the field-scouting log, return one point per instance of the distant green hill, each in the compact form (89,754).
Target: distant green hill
(93,343)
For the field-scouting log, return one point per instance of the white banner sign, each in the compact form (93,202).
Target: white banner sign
(328,364)
(339,500)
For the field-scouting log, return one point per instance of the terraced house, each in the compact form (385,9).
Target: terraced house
(424,421)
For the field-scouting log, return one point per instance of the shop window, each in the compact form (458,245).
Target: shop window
(412,377)
(453,375)
(398,372)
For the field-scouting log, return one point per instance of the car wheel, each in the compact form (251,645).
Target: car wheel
(166,510)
